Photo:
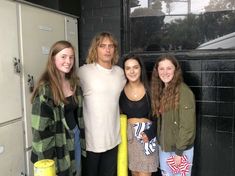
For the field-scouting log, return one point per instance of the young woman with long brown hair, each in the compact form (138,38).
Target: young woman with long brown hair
(174,104)
(57,122)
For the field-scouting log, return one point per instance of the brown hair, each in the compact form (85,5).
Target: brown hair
(92,52)
(52,76)
(165,98)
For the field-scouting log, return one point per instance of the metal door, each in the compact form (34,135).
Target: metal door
(40,29)
(10,64)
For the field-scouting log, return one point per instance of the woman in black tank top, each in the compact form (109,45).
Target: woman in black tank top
(135,103)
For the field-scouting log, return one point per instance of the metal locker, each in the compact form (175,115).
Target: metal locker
(12,162)
(40,29)
(27,33)
(10,64)
(29,164)
(71,34)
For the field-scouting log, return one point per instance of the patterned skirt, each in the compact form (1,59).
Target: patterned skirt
(137,160)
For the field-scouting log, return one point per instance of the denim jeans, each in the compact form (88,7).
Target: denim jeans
(165,169)
(77,147)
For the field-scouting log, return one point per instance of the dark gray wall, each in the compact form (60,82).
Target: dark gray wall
(97,16)
(68,6)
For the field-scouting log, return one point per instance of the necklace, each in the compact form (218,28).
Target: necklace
(134,91)
(135,95)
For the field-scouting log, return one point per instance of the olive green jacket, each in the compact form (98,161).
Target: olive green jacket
(177,128)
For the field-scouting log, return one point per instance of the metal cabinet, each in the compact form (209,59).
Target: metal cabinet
(10,64)
(11,125)
(27,32)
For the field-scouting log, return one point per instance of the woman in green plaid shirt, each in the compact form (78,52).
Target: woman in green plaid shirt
(57,122)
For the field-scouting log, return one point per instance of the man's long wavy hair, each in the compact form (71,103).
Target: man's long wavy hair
(165,98)
(52,76)
(96,41)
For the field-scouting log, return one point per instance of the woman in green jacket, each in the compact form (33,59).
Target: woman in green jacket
(57,123)
(174,104)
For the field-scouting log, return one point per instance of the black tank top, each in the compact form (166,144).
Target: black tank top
(137,109)
(70,111)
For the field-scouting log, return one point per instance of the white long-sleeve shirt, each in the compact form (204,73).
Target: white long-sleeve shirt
(101,90)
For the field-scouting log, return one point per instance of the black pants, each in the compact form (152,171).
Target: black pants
(100,164)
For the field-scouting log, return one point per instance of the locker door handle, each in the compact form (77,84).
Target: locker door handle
(16,64)
(2,148)
(30,83)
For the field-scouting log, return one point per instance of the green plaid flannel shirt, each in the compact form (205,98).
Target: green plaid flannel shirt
(52,138)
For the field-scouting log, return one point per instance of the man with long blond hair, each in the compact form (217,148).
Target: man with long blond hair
(102,82)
